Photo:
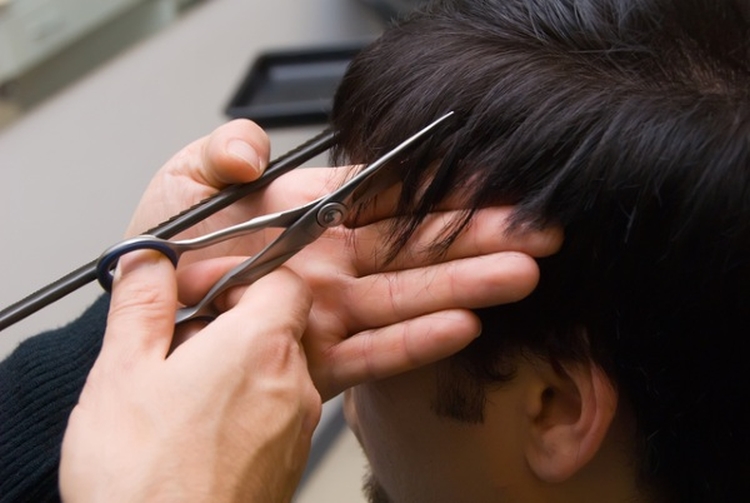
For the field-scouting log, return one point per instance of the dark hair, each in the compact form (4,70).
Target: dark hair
(628,124)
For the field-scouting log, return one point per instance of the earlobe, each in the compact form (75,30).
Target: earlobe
(569,416)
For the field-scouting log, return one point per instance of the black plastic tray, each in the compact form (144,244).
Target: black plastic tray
(291,88)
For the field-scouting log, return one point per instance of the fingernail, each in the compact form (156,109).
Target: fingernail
(244,152)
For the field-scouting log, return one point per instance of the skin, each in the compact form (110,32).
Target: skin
(545,437)
(193,426)
(187,392)
(367,321)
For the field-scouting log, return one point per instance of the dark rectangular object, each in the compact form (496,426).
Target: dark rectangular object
(389,9)
(291,88)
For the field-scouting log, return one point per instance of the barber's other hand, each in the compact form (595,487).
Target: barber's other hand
(367,322)
(371,321)
(227,416)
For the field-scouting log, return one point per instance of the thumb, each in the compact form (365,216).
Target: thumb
(143,306)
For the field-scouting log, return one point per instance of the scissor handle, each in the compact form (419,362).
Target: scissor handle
(108,260)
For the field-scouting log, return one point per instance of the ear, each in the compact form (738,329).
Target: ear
(570,412)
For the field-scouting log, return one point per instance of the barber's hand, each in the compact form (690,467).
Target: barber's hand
(236,152)
(227,416)
(371,321)
(367,321)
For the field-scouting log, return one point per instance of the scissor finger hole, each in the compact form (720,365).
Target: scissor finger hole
(108,261)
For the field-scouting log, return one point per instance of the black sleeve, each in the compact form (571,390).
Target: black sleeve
(39,385)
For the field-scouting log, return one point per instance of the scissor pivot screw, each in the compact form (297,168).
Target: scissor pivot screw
(332,214)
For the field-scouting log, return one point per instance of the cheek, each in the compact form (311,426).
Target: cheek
(413,454)
(378,421)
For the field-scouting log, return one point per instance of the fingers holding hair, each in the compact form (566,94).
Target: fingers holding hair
(386,351)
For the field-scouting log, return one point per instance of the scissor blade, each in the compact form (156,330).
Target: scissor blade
(346,193)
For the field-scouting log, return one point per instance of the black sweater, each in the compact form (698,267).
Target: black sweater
(39,386)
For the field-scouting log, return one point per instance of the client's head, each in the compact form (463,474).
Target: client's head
(627,123)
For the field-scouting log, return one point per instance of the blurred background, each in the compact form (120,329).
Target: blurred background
(95,95)
(46,45)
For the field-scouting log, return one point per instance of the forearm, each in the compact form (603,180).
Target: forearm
(39,384)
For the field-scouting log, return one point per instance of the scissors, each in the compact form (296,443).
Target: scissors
(303,225)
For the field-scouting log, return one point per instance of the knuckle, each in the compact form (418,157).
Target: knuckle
(143,300)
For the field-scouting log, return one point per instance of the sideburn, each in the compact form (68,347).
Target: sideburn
(459,394)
